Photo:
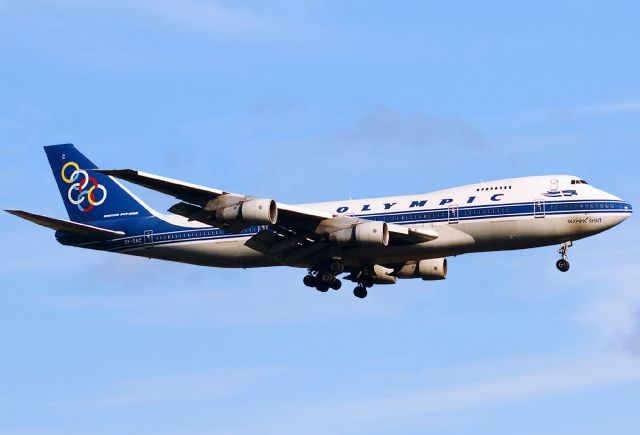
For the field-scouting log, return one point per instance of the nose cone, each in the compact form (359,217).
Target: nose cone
(621,208)
(622,212)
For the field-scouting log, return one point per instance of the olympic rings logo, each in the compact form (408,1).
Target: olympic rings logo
(86,187)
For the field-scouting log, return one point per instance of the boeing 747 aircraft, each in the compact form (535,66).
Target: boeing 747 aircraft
(372,241)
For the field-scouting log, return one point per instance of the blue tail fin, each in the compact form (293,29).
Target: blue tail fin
(88,195)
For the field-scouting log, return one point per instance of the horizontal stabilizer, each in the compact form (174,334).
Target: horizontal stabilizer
(68,226)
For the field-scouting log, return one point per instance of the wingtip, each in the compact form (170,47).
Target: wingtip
(19,213)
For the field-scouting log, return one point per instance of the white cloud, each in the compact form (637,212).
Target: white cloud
(198,15)
(385,127)
(150,292)
(574,112)
(578,374)
(184,387)
(620,106)
(612,310)
(632,341)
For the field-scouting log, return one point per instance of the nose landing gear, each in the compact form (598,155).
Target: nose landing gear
(563,263)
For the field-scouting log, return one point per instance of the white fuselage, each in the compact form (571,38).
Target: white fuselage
(498,215)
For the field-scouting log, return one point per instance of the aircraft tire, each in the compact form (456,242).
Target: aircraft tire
(326,277)
(322,287)
(562,265)
(309,281)
(360,292)
(336,267)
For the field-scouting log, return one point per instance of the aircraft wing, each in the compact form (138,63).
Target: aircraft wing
(188,192)
(68,226)
(195,197)
(298,234)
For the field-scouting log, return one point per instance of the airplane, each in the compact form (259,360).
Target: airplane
(371,241)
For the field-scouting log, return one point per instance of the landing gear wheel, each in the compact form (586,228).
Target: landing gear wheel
(367,281)
(336,267)
(309,281)
(322,287)
(360,292)
(336,284)
(326,277)
(562,265)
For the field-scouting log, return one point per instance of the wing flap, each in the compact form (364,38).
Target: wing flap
(68,226)
(412,234)
(264,240)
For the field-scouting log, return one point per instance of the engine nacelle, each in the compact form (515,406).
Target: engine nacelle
(382,275)
(259,211)
(372,233)
(429,270)
(252,211)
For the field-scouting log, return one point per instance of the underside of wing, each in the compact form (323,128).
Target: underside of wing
(286,247)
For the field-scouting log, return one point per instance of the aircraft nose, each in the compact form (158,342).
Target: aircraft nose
(627,208)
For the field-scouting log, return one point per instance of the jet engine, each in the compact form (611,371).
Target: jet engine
(429,270)
(372,233)
(252,211)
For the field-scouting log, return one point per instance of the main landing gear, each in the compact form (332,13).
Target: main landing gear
(322,281)
(365,280)
(563,263)
(324,278)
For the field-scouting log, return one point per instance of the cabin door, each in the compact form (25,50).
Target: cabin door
(148,238)
(538,208)
(453,214)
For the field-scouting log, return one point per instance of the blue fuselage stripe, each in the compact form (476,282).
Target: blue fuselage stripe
(170,235)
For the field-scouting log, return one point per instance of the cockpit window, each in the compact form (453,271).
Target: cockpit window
(578,182)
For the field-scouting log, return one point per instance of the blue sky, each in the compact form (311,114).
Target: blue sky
(309,101)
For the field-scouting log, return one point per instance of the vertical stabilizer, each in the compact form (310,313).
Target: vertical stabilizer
(88,195)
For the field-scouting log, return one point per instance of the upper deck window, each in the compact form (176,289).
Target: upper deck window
(482,189)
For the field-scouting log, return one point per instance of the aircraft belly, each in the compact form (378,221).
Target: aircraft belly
(452,241)
(487,235)
(455,239)
(218,253)
(527,232)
